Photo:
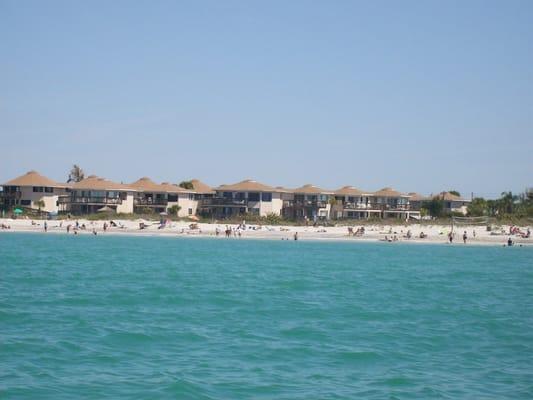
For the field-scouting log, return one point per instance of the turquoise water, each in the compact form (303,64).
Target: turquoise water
(154,318)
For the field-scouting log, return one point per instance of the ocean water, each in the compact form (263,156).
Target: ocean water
(84,317)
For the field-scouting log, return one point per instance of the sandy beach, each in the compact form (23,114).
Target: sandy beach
(435,234)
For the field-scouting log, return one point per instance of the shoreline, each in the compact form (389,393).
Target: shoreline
(436,234)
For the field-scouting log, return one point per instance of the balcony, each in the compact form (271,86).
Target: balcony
(89,200)
(150,202)
(222,202)
(309,203)
(376,206)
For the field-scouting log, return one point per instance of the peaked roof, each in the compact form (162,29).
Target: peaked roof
(311,189)
(200,187)
(389,192)
(447,196)
(349,191)
(33,178)
(173,188)
(93,182)
(145,184)
(247,185)
(413,196)
(281,189)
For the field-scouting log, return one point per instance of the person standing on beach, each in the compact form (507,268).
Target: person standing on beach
(464,237)
(45,226)
(105,226)
(295,235)
(450,237)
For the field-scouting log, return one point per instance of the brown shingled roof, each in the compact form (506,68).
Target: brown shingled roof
(311,189)
(247,185)
(33,178)
(389,192)
(349,191)
(200,187)
(413,196)
(92,182)
(447,196)
(145,184)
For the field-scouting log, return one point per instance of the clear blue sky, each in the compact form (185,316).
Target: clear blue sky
(422,96)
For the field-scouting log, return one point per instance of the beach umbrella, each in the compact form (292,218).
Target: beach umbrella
(163,213)
(18,211)
(105,209)
(193,217)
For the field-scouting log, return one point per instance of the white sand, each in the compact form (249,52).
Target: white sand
(435,233)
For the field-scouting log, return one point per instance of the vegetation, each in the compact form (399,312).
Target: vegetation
(454,192)
(434,208)
(186,185)
(507,206)
(76,174)
(174,210)
(40,204)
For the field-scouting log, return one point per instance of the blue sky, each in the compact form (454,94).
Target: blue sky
(422,96)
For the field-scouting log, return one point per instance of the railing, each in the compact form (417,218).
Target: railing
(218,201)
(12,195)
(150,202)
(376,206)
(309,203)
(89,200)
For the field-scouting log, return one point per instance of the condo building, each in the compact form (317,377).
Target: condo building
(248,197)
(309,202)
(94,194)
(161,197)
(453,203)
(35,191)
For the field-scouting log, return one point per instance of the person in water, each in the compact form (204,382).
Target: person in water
(509,242)
(295,235)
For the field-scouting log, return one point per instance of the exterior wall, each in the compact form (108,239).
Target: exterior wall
(457,206)
(50,199)
(276,205)
(187,202)
(126,206)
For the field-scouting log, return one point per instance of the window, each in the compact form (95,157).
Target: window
(239,196)
(253,196)
(49,190)
(25,202)
(190,211)
(38,189)
(173,197)
(266,196)
(191,196)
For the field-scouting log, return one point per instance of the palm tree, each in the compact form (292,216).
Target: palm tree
(175,209)
(40,204)
(507,202)
(186,185)
(76,174)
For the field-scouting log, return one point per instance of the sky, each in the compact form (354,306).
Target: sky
(422,96)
